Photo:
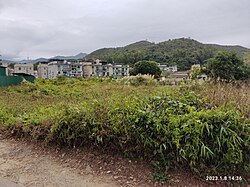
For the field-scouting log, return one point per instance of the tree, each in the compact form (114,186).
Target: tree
(146,67)
(11,65)
(245,72)
(247,58)
(228,66)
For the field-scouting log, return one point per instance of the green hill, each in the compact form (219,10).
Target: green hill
(182,52)
(234,48)
(139,45)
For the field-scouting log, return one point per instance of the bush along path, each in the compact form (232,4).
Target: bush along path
(169,132)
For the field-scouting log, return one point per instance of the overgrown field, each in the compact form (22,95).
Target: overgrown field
(205,128)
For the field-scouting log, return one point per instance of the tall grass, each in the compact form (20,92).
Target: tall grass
(230,95)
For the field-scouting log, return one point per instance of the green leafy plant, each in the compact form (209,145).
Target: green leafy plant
(172,127)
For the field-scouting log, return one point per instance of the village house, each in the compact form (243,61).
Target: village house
(104,69)
(24,68)
(120,70)
(42,71)
(81,69)
(167,69)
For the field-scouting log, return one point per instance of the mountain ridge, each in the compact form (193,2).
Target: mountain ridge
(74,57)
(132,45)
(183,52)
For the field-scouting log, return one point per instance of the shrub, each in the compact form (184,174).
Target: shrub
(169,128)
(138,80)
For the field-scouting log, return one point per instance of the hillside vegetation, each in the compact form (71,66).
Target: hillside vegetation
(189,126)
(182,52)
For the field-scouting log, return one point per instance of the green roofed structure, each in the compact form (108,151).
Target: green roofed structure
(16,79)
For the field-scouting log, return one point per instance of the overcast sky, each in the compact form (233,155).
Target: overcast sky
(45,28)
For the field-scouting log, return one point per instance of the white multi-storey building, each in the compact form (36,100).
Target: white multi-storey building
(81,69)
(65,68)
(24,68)
(166,68)
(42,71)
(53,70)
(120,70)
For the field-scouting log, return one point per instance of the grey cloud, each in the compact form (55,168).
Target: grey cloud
(63,27)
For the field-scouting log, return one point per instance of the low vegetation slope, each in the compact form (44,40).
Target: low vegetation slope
(179,126)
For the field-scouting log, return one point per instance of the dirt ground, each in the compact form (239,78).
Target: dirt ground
(32,165)
(21,164)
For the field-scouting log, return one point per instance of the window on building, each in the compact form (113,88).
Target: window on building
(19,68)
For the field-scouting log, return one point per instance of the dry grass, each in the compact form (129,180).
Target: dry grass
(229,95)
(147,76)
